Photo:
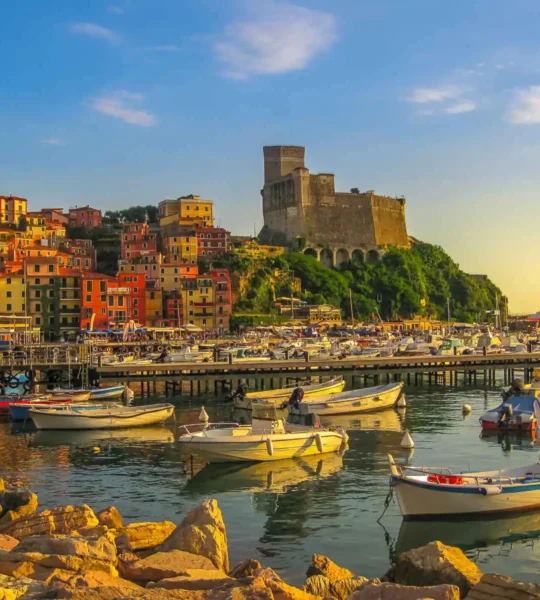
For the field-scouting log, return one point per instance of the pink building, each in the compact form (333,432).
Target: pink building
(84,216)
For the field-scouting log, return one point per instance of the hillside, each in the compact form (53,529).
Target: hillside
(403,284)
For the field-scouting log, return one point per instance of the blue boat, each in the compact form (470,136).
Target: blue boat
(101,393)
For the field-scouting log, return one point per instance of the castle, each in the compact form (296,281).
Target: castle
(335,226)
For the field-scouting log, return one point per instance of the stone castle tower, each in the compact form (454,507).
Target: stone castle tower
(336,226)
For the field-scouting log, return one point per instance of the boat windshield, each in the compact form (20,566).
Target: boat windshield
(526,404)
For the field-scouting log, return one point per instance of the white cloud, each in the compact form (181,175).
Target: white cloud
(526,106)
(53,142)
(167,48)
(116,10)
(96,31)
(277,39)
(461,107)
(424,95)
(121,105)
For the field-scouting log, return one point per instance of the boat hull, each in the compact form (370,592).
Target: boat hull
(106,393)
(367,400)
(490,425)
(256,450)
(73,420)
(420,502)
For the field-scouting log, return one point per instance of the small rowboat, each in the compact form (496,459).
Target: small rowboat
(109,392)
(70,395)
(279,396)
(348,403)
(99,417)
(261,441)
(430,492)
(18,411)
(7,401)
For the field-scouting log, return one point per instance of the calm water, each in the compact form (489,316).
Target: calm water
(280,513)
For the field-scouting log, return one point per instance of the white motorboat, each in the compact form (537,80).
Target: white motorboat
(347,403)
(261,441)
(429,492)
(100,416)
(109,392)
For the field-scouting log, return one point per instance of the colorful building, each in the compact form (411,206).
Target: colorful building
(85,216)
(187,210)
(172,275)
(154,304)
(222,298)
(180,246)
(69,301)
(12,208)
(104,303)
(55,215)
(137,296)
(212,241)
(13,294)
(148,265)
(137,240)
(43,294)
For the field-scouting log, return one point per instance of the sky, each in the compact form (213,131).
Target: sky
(131,102)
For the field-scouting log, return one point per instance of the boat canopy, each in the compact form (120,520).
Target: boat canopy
(526,404)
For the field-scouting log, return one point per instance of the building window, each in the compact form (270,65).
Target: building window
(8,307)
(8,294)
(37,294)
(51,293)
(51,281)
(103,311)
(51,320)
(36,268)
(102,287)
(88,286)
(135,313)
(38,321)
(51,268)
(111,300)
(120,300)
(135,301)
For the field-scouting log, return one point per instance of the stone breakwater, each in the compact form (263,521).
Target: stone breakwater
(74,552)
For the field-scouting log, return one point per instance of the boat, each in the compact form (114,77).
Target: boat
(72,396)
(263,440)
(348,403)
(18,411)
(109,392)
(99,417)
(244,355)
(517,413)
(7,401)
(278,396)
(432,492)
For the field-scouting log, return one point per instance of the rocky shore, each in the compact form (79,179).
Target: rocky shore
(74,552)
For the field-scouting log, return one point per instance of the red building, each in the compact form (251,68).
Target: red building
(173,310)
(212,241)
(84,216)
(137,292)
(105,304)
(55,215)
(222,297)
(83,253)
(137,241)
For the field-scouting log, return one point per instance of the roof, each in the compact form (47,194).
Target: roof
(92,275)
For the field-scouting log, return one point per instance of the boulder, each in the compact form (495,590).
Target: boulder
(142,536)
(17,504)
(110,517)
(322,565)
(436,564)
(280,589)
(498,586)
(194,579)
(375,590)
(202,532)
(318,585)
(164,565)
(343,588)
(101,548)
(99,593)
(12,588)
(93,579)
(245,569)
(7,542)
(63,519)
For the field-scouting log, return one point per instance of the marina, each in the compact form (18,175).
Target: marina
(328,501)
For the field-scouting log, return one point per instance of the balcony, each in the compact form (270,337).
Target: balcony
(209,304)
(204,314)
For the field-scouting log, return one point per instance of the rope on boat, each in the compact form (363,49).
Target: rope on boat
(387,502)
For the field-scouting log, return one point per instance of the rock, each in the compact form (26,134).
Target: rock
(142,536)
(498,587)
(93,579)
(17,504)
(245,568)
(280,589)
(98,593)
(194,579)
(63,519)
(322,565)
(110,517)
(11,588)
(7,542)
(343,588)
(93,531)
(163,565)
(318,585)
(375,590)
(202,532)
(2,485)
(102,548)
(436,564)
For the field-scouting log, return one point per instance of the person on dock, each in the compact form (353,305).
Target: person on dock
(164,353)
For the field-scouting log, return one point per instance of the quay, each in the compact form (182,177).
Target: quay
(79,364)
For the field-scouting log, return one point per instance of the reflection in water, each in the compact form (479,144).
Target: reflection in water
(385,420)
(143,435)
(275,476)
(511,440)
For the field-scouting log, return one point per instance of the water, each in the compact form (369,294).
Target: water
(281,513)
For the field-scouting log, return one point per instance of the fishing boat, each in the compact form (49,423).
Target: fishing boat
(347,403)
(109,392)
(279,396)
(263,440)
(99,417)
(430,492)
(517,413)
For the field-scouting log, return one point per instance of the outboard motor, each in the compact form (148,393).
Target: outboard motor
(296,397)
(312,420)
(507,412)
(239,392)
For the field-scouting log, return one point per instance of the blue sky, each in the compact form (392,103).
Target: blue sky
(124,103)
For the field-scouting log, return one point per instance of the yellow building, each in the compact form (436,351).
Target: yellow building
(172,275)
(198,302)
(12,208)
(12,294)
(187,210)
(154,305)
(148,265)
(180,248)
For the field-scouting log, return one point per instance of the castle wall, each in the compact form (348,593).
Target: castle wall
(389,221)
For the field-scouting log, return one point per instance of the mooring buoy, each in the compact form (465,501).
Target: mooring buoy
(407,441)
(203,415)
